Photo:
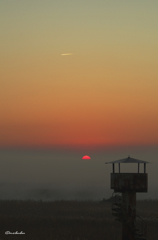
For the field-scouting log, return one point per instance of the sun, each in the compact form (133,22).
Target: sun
(86,157)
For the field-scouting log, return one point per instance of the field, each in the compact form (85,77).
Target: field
(66,220)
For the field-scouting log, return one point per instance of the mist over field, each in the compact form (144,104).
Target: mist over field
(62,174)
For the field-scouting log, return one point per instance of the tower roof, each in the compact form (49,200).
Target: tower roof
(128,160)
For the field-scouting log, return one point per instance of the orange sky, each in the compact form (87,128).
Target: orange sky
(103,94)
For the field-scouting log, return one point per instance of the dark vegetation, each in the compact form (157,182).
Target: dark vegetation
(66,220)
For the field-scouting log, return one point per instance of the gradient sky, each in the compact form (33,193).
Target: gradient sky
(105,93)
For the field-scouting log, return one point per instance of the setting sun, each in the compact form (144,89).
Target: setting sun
(86,157)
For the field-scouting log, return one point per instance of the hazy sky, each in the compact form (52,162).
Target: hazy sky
(56,174)
(104,93)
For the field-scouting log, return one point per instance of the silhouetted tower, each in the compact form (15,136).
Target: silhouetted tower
(125,186)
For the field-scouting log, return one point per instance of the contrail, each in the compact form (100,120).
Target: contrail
(66,54)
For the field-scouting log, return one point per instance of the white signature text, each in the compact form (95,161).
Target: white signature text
(8,232)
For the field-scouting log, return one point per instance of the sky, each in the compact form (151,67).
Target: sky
(76,78)
(62,174)
(103,93)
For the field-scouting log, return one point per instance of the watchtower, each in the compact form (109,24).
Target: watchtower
(125,186)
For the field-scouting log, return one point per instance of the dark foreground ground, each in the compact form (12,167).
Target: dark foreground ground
(66,220)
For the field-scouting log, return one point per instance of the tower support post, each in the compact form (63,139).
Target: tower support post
(129,210)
